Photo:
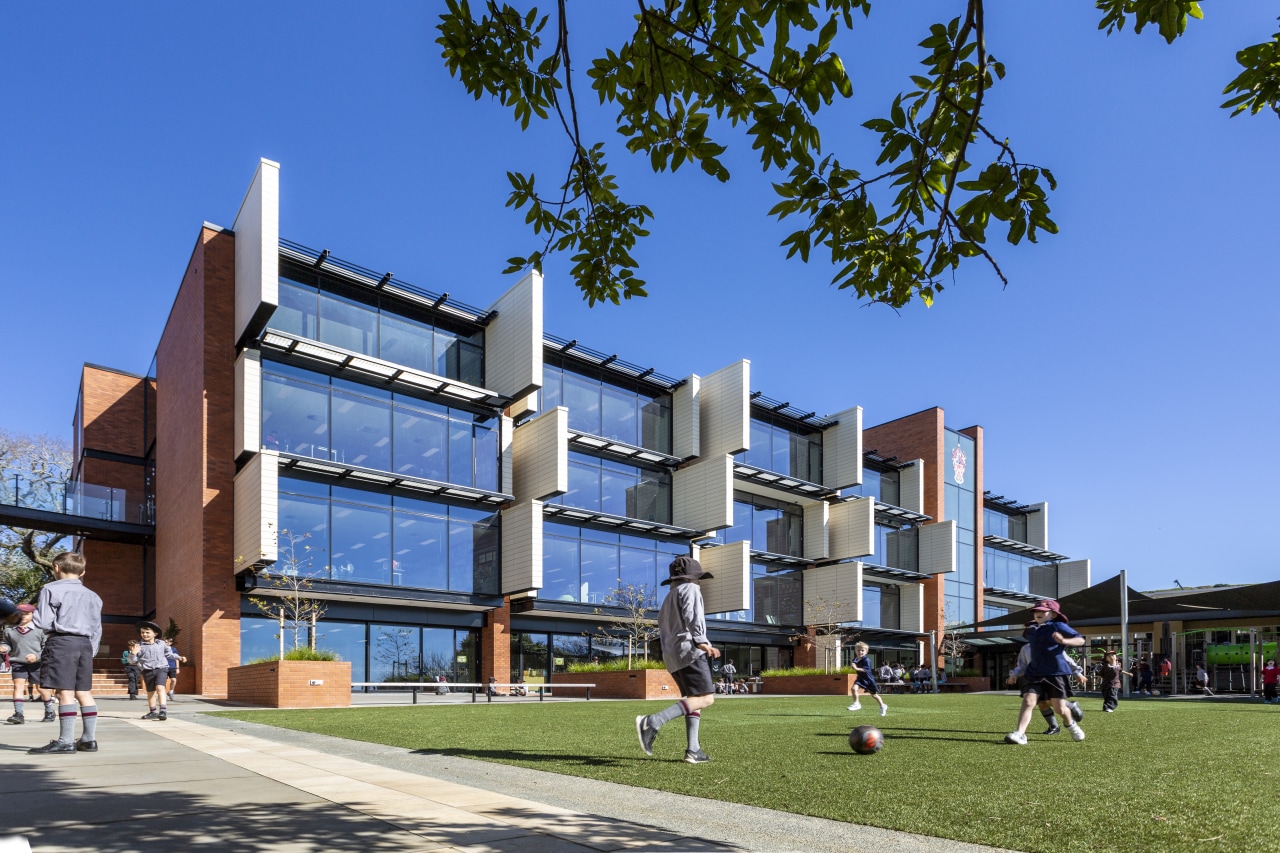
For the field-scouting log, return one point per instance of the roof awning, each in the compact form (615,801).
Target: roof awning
(1100,601)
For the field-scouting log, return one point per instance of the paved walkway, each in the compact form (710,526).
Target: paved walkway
(197,782)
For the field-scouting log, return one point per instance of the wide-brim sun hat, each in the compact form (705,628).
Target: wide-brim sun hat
(145,624)
(685,569)
(1050,605)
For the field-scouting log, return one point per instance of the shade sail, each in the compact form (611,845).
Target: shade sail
(1100,601)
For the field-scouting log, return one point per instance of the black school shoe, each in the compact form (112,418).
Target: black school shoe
(151,715)
(83,745)
(1052,730)
(16,720)
(53,747)
(49,717)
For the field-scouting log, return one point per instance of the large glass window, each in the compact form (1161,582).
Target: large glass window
(310,414)
(600,485)
(960,504)
(996,523)
(777,598)
(896,547)
(884,486)
(530,657)
(769,525)
(881,606)
(1018,573)
(368,537)
(609,411)
(783,451)
(348,640)
(587,565)
(308,312)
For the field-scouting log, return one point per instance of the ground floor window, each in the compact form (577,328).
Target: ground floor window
(751,660)
(377,652)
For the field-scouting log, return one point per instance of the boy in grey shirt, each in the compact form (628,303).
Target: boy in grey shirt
(24,643)
(682,625)
(70,614)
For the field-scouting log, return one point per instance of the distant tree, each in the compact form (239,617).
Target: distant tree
(825,619)
(33,473)
(954,646)
(292,605)
(636,625)
(692,71)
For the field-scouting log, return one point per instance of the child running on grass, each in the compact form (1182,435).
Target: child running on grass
(1109,674)
(1048,674)
(1043,706)
(866,680)
(682,625)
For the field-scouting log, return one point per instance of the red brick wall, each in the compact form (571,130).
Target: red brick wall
(194,468)
(495,644)
(286,684)
(918,436)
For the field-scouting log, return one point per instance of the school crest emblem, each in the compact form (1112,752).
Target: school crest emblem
(958,463)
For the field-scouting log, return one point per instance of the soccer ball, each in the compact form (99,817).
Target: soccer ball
(866,740)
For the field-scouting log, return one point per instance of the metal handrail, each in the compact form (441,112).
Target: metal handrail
(77,498)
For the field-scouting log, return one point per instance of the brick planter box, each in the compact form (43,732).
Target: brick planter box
(622,684)
(291,684)
(812,685)
(975,682)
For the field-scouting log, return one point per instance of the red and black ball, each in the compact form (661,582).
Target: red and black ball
(866,740)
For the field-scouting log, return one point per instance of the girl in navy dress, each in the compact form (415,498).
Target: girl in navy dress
(866,680)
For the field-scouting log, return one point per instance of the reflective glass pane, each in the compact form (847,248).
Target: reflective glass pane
(297,312)
(461,458)
(304,535)
(582,396)
(486,565)
(394,652)
(486,458)
(361,431)
(445,354)
(438,654)
(655,424)
(421,551)
(348,325)
(348,640)
(406,342)
(781,461)
(295,417)
(553,380)
(760,454)
(559,568)
(618,415)
(420,445)
(599,572)
(568,649)
(470,364)
(871,606)
(361,544)
(259,638)
(616,486)
(462,554)
(639,569)
(584,486)
(530,657)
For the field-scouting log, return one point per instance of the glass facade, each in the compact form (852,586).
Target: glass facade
(773,526)
(1019,573)
(586,565)
(996,523)
(960,505)
(377,652)
(991,611)
(896,547)
(777,598)
(310,414)
(600,485)
(308,310)
(598,408)
(784,451)
(353,535)
(884,486)
(881,606)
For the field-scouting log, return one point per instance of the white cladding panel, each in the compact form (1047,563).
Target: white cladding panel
(257,230)
(522,407)
(522,547)
(730,587)
(513,340)
(726,410)
(911,601)
(686,418)
(816,514)
(938,548)
(248,416)
(1038,526)
(842,450)
(911,486)
(702,494)
(540,456)
(255,510)
(851,529)
(506,428)
(833,594)
(1073,576)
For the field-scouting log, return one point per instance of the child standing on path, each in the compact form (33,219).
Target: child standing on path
(131,668)
(70,614)
(152,657)
(1270,674)
(24,643)
(866,680)
(682,625)
(1048,675)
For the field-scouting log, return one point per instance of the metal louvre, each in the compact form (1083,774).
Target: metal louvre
(619,522)
(354,473)
(1016,547)
(794,485)
(619,449)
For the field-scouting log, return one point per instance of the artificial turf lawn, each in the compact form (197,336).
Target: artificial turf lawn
(1173,774)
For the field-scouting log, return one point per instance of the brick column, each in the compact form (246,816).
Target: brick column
(495,644)
(807,651)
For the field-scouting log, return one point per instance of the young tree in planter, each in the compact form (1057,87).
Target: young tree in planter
(292,606)
(825,618)
(637,624)
(953,647)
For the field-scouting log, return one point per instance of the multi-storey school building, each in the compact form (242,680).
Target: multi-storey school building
(472,495)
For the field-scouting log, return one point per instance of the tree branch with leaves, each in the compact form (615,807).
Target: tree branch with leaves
(694,72)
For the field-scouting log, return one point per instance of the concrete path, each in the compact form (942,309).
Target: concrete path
(196,782)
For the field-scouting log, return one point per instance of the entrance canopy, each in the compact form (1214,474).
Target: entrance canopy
(1100,604)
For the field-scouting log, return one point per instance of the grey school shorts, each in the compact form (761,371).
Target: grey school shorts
(67,663)
(695,679)
(29,671)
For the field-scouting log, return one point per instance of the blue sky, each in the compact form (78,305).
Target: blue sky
(1127,375)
